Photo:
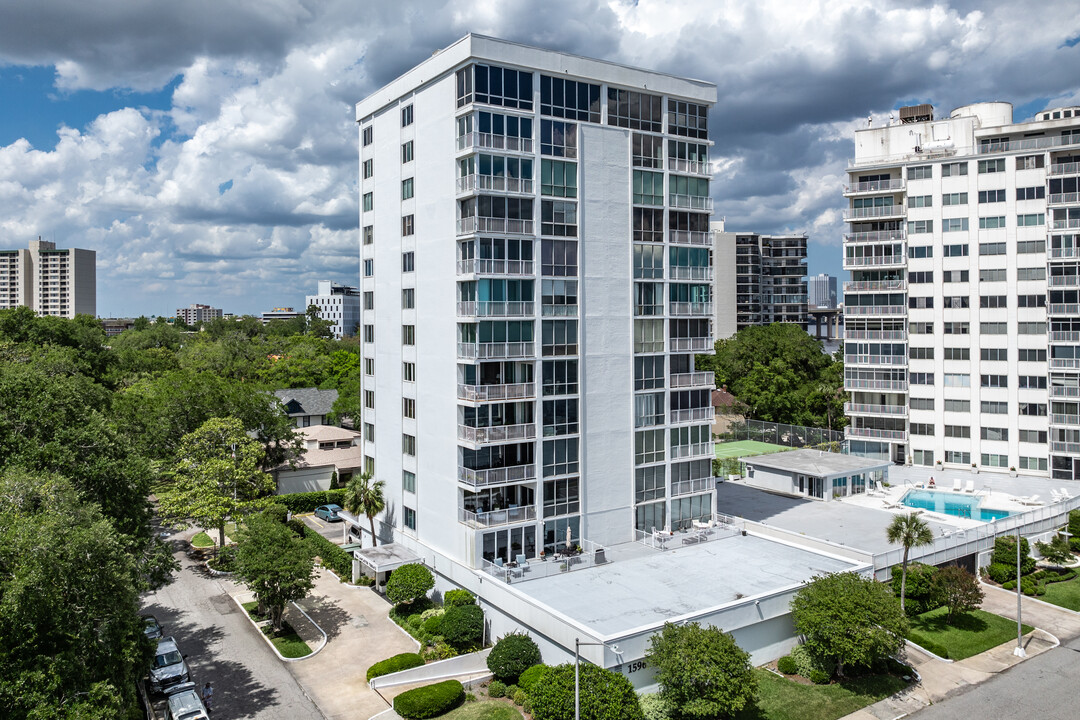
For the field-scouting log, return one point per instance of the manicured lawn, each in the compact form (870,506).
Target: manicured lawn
(202,540)
(287,642)
(782,699)
(1066,594)
(484,710)
(970,634)
(251,607)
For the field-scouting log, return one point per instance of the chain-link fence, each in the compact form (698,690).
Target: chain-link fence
(795,436)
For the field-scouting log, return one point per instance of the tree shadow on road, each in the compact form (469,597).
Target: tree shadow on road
(327,614)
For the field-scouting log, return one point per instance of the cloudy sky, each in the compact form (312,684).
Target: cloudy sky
(206,149)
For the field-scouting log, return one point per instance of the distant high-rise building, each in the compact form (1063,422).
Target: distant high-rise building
(198,313)
(279,313)
(821,291)
(759,280)
(339,304)
(50,281)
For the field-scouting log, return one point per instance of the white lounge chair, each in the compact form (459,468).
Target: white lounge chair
(892,505)
(970,487)
(874,492)
(1065,494)
(1029,500)
(956,485)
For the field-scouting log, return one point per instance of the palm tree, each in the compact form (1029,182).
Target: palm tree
(363,496)
(909,531)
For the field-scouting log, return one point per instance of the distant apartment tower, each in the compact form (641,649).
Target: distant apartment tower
(962,313)
(532,383)
(759,280)
(821,291)
(198,313)
(50,281)
(339,304)
(279,313)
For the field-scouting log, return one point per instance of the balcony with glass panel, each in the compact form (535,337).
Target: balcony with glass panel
(496,309)
(497,475)
(874,186)
(876,236)
(495,518)
(874,286)
(1063,199)
(494,266)
(494,183)
(496,433)
(493,393)
(871,409)
(691,202)
(496,350)
(690,309)
(898,259)
(853,310)
(874,433)
(692,272)
(695,450)
(877,212)
(691,344)
(490,141)
(690,237)
(692,380)
(687,415)
(875,359)
(491,507)
(1070,168)
(509,226)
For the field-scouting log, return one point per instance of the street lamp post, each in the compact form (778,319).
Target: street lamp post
(1019,651)
(577,676)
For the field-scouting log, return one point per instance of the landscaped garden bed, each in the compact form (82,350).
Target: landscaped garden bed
(287,642)
(969,634)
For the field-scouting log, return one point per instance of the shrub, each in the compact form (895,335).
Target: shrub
(277,511)
(920,593)
(408,583)
(527,706)
(439,650)
(469,697)
(958,589)
(605,694)
(430,700)
(1005,554)
(701,670)
(654,707)
(431,625)
(528,679)
(520,696)
(496,689)
(818,678)
(331,555)
(453,598)
(511,689)
(1001,573)
(787,666)
(806,663)
(307,502)
(927,644)
(394,664)
(463,625)
(512,655)
(432,612)
(415,621)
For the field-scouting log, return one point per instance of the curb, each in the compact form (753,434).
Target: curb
(922,649)
(281,657)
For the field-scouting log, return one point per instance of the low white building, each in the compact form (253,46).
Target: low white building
(330,453)
(815,474)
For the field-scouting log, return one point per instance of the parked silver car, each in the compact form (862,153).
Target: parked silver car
(169,667)
(184,703)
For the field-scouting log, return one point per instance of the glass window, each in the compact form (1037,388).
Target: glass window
(558,178)
(560,457)
(407,152)
(648,446)
(561,497)
(688,119)
(406,116)
(646,150)
(560,377)
(648,188)
(558,218)
(635,110)
(570,99)
(558,139)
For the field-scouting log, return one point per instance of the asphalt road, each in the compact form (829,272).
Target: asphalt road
(1042,687)
(223,648)
(332,531)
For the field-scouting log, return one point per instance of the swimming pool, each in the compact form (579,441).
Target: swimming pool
(949,503)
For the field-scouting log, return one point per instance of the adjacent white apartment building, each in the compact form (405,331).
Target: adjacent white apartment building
(535,262)
(962,313)
(339,304)
(50,281)
(198,313)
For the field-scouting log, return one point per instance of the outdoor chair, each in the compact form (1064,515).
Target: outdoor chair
(956,485)
(970,487)
(1065,494)
(522,562)
(1029,500)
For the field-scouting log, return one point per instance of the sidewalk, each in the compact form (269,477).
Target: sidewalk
(942,679)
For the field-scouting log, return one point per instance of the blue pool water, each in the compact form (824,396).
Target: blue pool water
(949,503)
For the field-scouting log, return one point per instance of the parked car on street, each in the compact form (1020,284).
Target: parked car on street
(153,628)
(184,703)
(169,667)
(329,513)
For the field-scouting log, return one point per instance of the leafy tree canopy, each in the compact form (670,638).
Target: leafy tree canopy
(274,563)
(605,694)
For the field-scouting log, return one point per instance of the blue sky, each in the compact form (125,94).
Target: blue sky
(207,149)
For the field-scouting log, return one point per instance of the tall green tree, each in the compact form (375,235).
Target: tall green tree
(701,671)
(274,563)
(364,496)
(958,589)
(849,619)
(217,476)
(605,694)
(72,642)
(910,531)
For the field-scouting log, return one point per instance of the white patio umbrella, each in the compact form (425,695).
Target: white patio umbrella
(568,538)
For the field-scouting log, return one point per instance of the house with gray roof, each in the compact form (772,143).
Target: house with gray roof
(307,406)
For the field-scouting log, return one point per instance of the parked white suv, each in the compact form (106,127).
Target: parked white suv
(184,703)
(169,667)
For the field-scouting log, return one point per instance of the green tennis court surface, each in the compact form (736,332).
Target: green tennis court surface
(743,448)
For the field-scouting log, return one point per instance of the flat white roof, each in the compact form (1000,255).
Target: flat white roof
(818,463)
(480,47)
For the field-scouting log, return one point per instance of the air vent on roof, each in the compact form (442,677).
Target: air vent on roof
(916,113)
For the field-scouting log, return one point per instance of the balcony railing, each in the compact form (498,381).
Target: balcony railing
(696,485)
(510,226)
(872,384)
(497,476)
(1064,169)
(1064,391)
(683,272)
(1063,199)
(492,308)
(559,310)
(496,433)
(1064,363)
(691,451)
(691,202)
(1064,253)
(685,345)
(694,379)
(874,285)
(1036,143)
(494,142)
(494,518)
(496,351)
(690,309)
(1063,308)
(1067,448)
(877,433)
(878,211)
(875,186)
(694,167)
(689,237)
(867,409)
(875,236)
(497,183)
(850,334)
(1063,280)
(1069,224)
(875,359)
(1065,336)
(486,393)
(875,261)
(488,266)
(1056,419)
(685,415)
(875,310)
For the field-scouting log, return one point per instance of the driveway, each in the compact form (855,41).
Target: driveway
(332,531)
(223,648)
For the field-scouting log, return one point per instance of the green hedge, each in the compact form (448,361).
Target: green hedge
(512,655)
(528,679)
(307,502)
(453,598)
(332,556)
(430,700)
(394,664)
(927,644)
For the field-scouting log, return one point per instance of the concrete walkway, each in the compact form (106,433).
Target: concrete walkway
(359,634)
(942,679)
